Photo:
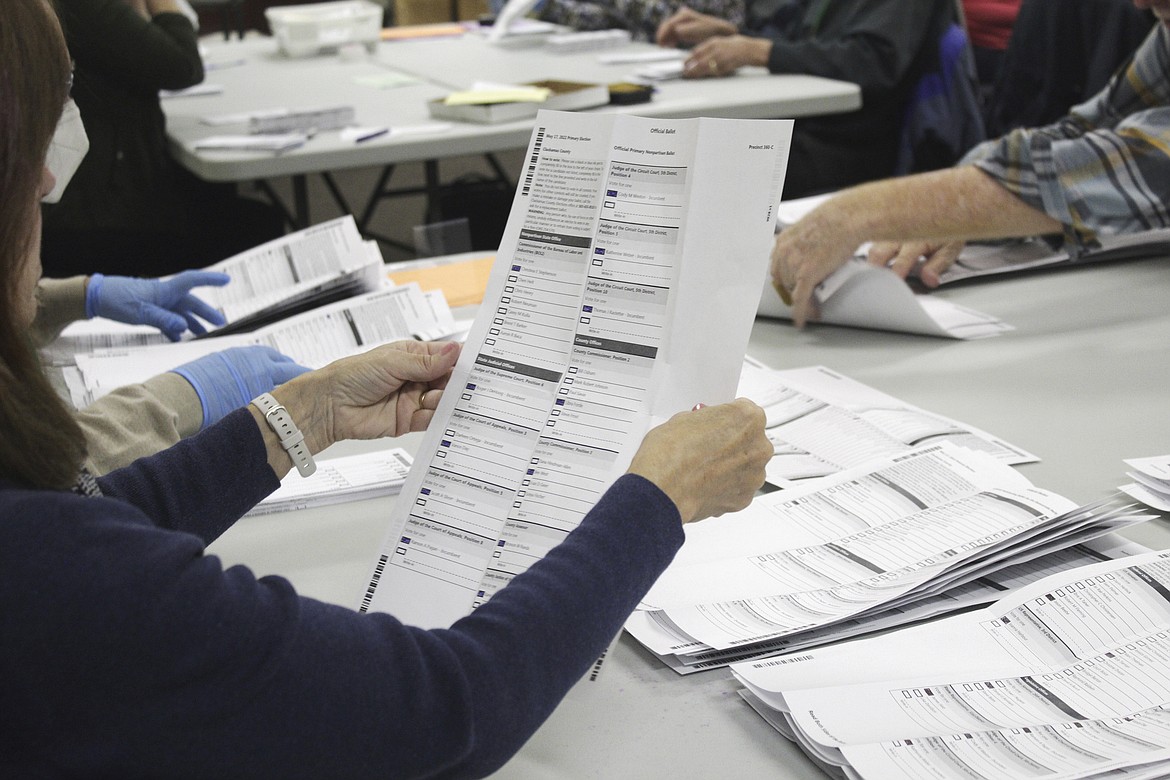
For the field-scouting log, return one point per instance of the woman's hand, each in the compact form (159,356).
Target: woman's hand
(725,55)
(388,391)
(709,461)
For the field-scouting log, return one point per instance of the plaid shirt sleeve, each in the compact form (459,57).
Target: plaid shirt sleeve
(640,17)
(1105,168)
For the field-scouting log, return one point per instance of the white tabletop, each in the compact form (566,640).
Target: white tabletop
(268,79)
(1082,382)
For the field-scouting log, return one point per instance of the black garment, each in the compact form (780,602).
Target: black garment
(1061,54)
(882,45)
(130,209)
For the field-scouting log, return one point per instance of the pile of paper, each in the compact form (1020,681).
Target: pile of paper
(1066,678)
(337,480)
(821,422)
(322,263)
(318,265)
(826,560)
(860,295)
(1151,481)
(313,339)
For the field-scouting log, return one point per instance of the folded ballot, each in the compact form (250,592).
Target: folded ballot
(313,339)
(1151,481)
(861,295)
(821,422)
(275,280)
(1063,679)
(339,480)
(804,566)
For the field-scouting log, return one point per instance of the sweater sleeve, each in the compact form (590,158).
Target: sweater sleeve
(872,43)
(59,302)
(198,672)
(137,420)
(147,55)
(202,484)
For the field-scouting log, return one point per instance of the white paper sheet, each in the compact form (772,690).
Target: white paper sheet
(1065,678)
(821,422)
(865,296)
(617,299)
(337,480)
(312,339)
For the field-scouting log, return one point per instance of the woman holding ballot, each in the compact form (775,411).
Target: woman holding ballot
(129,652)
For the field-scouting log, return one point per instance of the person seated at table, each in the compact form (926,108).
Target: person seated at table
(131,208)
(128,651)
(1102,170)
(884,46)
(141,419)
(641,17)
(989,24)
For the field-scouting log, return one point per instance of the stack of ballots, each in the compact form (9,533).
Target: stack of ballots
(328,262)
(888,542)
(300,271)
(1066,678)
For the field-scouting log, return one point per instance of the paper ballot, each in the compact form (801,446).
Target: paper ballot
(867,548)
(623,292)
(1067,678)
(313,339)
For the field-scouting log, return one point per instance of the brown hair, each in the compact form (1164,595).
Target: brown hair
(40,443)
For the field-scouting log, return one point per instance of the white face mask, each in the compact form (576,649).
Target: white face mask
(67,149)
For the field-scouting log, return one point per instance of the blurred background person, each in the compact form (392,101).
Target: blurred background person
(989,25)
(884,46)
(131,209)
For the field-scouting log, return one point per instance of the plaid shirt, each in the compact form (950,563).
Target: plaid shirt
(640,17)
(1105,168)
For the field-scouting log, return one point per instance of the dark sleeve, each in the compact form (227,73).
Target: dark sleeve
(872,43)
(199,672)
(202,484)
(109,36)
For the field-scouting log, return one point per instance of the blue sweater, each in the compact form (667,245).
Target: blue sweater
(125,651)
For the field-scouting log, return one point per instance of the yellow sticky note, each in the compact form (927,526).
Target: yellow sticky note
(479,97)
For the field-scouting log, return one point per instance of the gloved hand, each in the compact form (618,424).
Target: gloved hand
(167,305)
(228,380)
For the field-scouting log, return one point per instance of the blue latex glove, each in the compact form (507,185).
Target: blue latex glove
(227,380)
(167,305)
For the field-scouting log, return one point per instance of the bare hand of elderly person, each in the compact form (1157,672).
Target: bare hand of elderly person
(925,259)
(709,461)
(388,391)
(806,253)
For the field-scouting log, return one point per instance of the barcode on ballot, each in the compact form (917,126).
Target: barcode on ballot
(782,661)
(532,161)
(373,583)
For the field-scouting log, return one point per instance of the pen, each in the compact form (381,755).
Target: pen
(372,134)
